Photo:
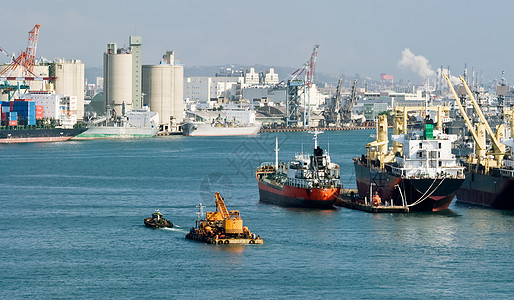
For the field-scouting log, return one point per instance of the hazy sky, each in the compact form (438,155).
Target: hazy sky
(365,37)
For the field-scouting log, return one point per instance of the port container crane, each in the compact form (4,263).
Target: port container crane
(26,61)
(346,113)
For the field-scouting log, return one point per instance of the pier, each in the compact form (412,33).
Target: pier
(282,129)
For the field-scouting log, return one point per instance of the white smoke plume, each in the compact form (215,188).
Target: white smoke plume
(416,63)
(419,65)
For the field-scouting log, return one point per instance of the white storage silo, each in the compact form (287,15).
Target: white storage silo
(158,92)
(117,78)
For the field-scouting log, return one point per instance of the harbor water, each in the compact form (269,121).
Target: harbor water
(71,226)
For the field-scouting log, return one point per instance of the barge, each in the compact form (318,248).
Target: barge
(221,227)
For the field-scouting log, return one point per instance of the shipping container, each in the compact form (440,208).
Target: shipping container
(13,123)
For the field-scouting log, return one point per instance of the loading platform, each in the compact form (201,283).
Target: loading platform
(349,198)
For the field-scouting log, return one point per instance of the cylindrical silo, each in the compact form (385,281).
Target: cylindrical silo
(177,107)
(157,91)
(117,78)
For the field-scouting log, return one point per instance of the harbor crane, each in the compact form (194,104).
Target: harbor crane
(346,113)
(25,61)
(295,88)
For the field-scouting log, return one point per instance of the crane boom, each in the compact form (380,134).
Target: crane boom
(220,204)
(464,115)
(497,144)
(30,56)
(311,66)
(26,59)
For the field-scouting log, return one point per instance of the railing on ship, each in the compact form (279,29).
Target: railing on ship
(507,173)
(400,172)
(308,184)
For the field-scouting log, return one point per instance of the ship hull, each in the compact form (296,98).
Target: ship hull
(487,190)
(205,129)
(38,135)
(112,132)
(420,194)
(297,197)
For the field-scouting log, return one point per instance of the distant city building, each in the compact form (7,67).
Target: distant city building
(230,72)
(251,78)
(163,91)
(118,78)
(271,77)
(204,89)
(100,84)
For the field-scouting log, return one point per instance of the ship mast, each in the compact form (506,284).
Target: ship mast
(316,132)
(276,153)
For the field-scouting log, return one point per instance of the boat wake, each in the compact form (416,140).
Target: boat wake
(176,228)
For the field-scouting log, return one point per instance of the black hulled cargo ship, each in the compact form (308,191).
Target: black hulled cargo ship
(35,134)
(494,189)
(420,173)
(22,121)
(489,170)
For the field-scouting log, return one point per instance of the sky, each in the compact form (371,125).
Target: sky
(408,39)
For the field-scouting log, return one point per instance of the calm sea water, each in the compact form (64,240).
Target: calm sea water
(71,226)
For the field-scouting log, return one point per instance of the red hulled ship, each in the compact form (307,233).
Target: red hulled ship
(307,181)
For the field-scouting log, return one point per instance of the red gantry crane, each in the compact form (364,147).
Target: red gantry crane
(25,60)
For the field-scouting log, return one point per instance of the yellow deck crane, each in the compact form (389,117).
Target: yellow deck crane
(400,120)
(478,133)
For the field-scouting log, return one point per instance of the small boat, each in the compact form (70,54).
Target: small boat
(157,221)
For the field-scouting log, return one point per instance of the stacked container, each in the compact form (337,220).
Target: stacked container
(6,109)
(26,110)
(39,112)
(13,118)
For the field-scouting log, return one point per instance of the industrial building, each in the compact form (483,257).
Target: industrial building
(163,91)
(118,79)
(70,81)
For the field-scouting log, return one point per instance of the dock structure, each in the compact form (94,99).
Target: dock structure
(167,133)
(285,129)
(349,198)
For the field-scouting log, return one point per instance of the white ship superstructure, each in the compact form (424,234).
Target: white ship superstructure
(426,158)
(225,122)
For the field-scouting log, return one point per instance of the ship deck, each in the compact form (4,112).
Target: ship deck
(348,200)
(226,240)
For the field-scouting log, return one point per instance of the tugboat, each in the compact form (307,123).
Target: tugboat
(157,221)
(307,181)
(221,227)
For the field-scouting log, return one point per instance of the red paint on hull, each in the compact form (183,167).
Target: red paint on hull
(300,197)
(34,140)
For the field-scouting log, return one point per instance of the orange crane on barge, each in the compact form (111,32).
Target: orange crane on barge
(222,227)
